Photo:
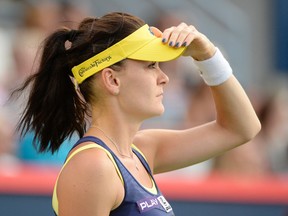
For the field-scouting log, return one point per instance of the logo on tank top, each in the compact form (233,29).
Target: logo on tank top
(154,202)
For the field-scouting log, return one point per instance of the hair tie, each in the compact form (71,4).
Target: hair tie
(92,27)
(72,34)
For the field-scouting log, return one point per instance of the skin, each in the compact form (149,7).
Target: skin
(89,184)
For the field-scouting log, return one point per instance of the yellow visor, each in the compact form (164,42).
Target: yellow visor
(140,45)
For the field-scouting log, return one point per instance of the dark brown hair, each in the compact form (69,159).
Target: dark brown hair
(54,110)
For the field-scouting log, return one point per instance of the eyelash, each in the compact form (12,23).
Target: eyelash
(153,65)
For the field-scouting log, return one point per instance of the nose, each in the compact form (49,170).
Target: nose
(163,78)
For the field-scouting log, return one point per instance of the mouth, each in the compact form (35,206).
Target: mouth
(160,95)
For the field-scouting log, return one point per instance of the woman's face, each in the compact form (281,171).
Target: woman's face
(141,89)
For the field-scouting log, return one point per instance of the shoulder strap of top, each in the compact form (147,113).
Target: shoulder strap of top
(142,157)
(144,161)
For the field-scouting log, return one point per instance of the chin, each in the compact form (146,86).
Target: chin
(159,112)
(154,113)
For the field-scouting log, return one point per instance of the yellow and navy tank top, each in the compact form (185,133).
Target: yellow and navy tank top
(138,200)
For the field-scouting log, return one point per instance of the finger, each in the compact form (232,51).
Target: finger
(174,35)
(156,32)
(166,34)
(187,36)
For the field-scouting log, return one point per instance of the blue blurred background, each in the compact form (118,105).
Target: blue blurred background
(252,34)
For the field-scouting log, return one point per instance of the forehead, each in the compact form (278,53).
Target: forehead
(130,66)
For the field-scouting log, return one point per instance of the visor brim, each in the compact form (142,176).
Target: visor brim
(157,51)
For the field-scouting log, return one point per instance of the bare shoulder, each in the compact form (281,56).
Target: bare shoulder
(152,137)
(89,181)
(92,159)
(148,141)
(144,140)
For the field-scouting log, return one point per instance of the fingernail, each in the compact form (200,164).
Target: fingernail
(171,43)
(164,40)
(184,44)
(177,44)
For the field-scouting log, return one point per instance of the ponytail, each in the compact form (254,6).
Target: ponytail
(54,110)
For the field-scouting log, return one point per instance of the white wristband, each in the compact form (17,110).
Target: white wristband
(214,70)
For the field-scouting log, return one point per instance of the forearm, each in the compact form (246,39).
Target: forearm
(234,110)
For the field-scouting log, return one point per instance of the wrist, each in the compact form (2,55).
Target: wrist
(214,70)
(206,55)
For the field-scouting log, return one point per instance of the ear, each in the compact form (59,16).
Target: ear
(110,81)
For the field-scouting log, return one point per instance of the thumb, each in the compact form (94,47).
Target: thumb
(156,31)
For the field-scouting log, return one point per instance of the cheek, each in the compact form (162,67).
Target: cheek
(138,86)
(140,98)
(138,94)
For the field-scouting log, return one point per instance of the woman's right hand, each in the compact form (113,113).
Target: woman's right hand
(198,45)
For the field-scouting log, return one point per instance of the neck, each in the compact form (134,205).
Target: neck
(114,142)
(116,124)
(130,155)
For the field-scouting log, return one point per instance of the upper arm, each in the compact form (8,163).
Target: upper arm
(88,185)
(168,150)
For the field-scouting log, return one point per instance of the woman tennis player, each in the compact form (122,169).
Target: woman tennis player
(103,87)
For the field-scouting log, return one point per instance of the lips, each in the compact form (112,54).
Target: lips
(159,95)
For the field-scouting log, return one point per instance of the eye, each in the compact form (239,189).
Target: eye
(153,65)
